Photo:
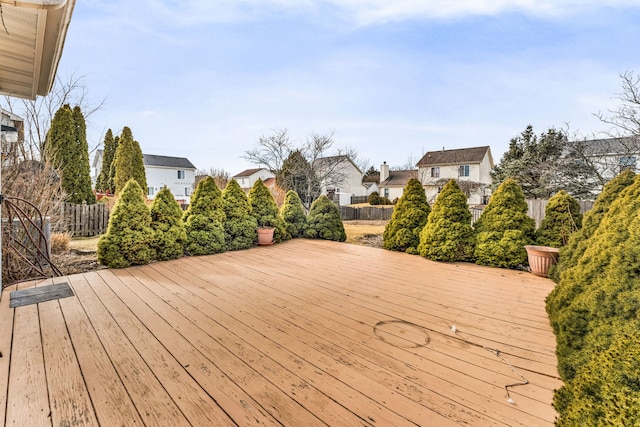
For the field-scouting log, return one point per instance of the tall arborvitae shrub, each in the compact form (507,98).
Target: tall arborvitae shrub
(67,150)
(128,162)
(204,220)
(129,237)
(81,168)
(596,317)
(166,221)
(571,253)
(402,232)
(239,226)
(111,181)
(324,221)
(504,228)
(265,210)
(108,153)
(562,218)
(448,235)
(293,214)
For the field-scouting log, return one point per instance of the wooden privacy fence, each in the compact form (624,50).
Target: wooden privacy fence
(366,213)
(85,220)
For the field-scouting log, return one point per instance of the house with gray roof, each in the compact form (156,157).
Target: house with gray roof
(392,182)
(178,174)
(471,167)
(248,177)
(608,156)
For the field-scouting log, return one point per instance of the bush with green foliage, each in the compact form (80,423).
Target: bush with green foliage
(571,253)
(324,221)
(504,228)
(293,214)
(129,237)
(374,198)
(265,210)
(103,183)
(448,235)
(166,222)
(562,218)
(240,226)
(402,232)
(128,162)
(204,220)
(595,313)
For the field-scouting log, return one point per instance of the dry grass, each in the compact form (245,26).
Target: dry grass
(60,242)
(84,244)
(366,233)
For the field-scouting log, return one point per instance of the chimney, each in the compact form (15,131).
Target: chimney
(384,171)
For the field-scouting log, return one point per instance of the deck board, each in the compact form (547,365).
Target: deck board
(300,333)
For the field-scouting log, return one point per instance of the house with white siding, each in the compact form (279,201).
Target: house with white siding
(178,174)
(340,178)
(248,177)
(471,167)
(392,182)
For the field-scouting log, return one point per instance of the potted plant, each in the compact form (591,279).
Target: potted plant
(271,227)
(541,258)
(265,235)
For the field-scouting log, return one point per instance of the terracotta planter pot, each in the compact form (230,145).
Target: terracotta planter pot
(541,258)
(265,236)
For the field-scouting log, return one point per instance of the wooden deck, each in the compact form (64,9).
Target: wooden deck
(303,333)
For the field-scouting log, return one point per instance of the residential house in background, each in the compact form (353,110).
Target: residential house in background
(608,156)
(11,134)
(248,177)
(470,166)
(178,174)
(392,182)
(340,178)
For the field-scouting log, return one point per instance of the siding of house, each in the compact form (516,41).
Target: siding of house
(246,181)
(158,177)
(348,184)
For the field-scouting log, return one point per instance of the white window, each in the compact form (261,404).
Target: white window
(187,191)
(463,170)
(180,174)
(149,191)
(386,192)
(627,162)
(435,172)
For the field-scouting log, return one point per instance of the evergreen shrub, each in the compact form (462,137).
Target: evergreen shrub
(240,226)
(166,222)
(294,215)
(374,198)
(448,235)
(129,237)
(324,221)
(204,219)
(504,228)
(402,232)
(265,210)
(562,218)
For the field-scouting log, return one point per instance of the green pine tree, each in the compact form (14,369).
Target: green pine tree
(448,235)
(402,232)
(166,221)
(504,228)
(81,166)
(111,178)
(265,210)
(128,162)
(67,150)
(324,221)
(108,153)
(204,220)
(129,237)
(294,215)
(240,226)
(562,218)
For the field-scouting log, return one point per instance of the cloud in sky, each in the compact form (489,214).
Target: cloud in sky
(205,79)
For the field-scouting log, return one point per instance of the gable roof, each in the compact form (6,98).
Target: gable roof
(321,162)
(167,161)
(398,178)
(248,172)
(454,157)
(610,146)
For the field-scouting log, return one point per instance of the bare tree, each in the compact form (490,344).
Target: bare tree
(220,176)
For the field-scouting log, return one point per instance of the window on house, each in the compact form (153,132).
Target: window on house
(435,172)
(386,192)
(463,170)
(149,191)
(180,174)
(187,191)
(627,162)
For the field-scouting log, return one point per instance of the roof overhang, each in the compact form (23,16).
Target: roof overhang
(32,35)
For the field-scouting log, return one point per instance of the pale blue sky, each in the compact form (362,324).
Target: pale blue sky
(204,79)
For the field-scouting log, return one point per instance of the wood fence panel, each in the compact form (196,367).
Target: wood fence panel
(85,220)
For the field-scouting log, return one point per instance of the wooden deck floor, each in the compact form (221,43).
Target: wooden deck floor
(303,333)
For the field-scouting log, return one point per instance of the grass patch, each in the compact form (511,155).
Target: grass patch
(367,233)
(84,244)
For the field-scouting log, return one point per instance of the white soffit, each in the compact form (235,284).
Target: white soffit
(32,35)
